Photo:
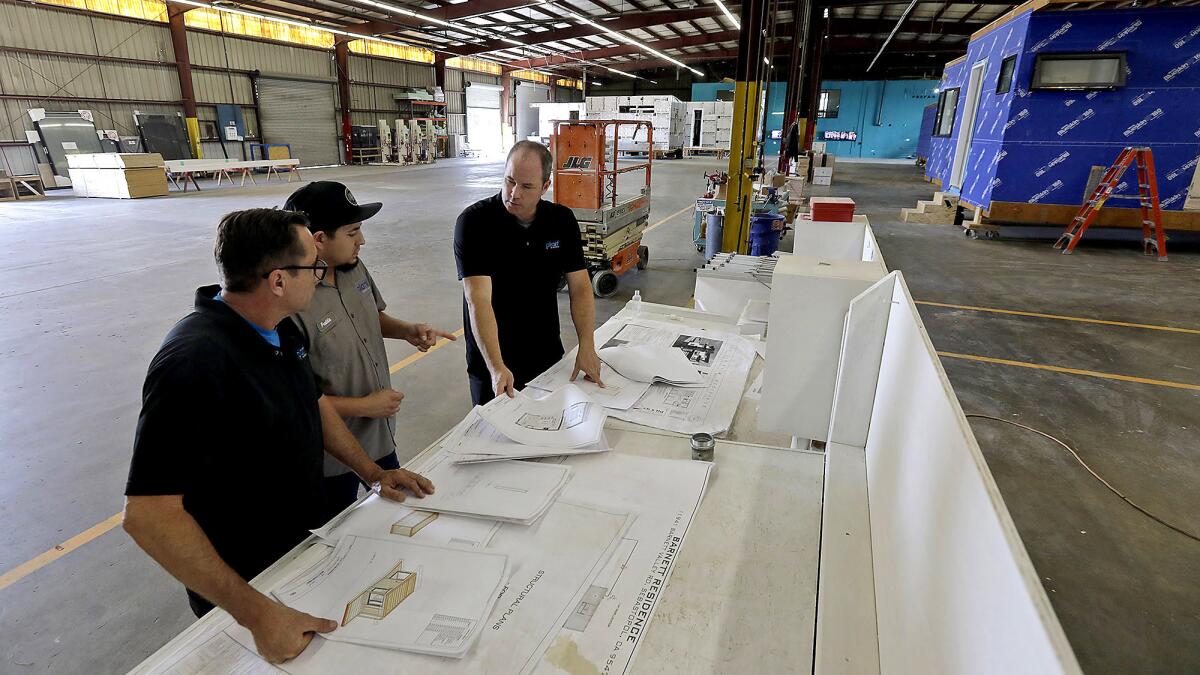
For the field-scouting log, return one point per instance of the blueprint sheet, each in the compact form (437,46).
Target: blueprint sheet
(566,418)
(476,440)
(618,392)
(400,595)
(552,566)
(723,359)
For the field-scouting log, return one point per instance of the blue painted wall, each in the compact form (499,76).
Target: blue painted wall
(895,136)
(889,132)
(1039,146)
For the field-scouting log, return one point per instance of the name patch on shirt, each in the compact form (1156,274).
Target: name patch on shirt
(364,286)
(552,245)
(326,324)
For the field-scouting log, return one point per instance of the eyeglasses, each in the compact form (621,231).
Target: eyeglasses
(318,269)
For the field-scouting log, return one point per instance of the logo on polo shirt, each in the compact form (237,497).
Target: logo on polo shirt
(301,352)
(552,245)
(364,286)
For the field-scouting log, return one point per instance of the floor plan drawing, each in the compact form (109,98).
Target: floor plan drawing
(413,523)
(381,597)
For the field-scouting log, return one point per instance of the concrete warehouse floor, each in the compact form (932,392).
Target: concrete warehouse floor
(91,287)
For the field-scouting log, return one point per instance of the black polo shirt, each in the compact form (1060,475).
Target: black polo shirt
(525,265)
(232,423)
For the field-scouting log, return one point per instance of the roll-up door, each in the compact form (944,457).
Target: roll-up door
(527,115)
(303,114)
(483,118)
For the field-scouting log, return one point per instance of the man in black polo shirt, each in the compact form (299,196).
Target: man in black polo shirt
(226,470)
(512,249)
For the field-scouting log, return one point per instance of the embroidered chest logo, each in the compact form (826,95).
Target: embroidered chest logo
(552,245)
(325,323)
(301,353)
(364,286)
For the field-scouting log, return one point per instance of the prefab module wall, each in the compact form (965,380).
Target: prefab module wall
(1034,148)
(976,151)
(1061,135)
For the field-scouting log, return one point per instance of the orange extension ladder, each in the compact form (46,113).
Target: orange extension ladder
(1147,197)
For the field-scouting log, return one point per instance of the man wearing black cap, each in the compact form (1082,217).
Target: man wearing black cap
(345,325)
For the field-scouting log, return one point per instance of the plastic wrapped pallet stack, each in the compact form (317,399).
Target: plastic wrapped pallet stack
(118,175)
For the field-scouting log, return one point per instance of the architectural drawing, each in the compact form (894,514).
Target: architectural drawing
(412,523)
(700,351)
(381,597)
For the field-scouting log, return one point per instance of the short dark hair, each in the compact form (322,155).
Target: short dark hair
(253,242)
(542,152)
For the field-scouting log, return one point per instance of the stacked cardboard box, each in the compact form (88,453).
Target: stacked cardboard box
(666,113)
(1192,203)
(822,168)
(118,176)
(716,124)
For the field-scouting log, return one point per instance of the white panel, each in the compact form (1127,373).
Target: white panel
(840,241)
(858,369)
(483,96)
(809,299)
(303,115)
(955,590)
(847,638)
(527,115)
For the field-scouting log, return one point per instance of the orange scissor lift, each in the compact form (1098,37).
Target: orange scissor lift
(585,180)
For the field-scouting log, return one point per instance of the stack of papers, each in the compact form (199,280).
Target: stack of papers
(618,392)
(476,440)
(566,418)
(401,595)
(514,492)
(653,363)
(385,519)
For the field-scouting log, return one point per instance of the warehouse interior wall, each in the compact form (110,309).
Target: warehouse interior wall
(884,115)
(66,59)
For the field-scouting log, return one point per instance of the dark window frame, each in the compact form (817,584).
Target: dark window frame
(824,114)
(941,111)
(1036,84)
(1004,84)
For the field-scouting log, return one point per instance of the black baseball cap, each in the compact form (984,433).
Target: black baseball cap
(329,205)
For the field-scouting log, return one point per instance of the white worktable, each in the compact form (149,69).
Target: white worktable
(742,596)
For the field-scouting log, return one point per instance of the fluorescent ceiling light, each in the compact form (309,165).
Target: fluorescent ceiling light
(728,15)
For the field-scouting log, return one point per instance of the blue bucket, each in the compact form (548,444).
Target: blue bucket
(764,235)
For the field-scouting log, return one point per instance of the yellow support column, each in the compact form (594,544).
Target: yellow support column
(742,153)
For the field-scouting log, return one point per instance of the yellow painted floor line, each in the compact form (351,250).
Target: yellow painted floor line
(34,564)
(647,230)
(408,361)
(1071,371)
(1059,317)
(29,567)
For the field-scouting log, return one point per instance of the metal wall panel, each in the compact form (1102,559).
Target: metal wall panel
(456,124)
(361,96)
(481,78)
(34,27)
(214,87)
(208,49)
(454,79)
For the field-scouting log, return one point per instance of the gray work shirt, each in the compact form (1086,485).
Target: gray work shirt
(347,354)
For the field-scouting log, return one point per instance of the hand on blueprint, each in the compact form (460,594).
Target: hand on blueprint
(424,336)
(502,382)
(281,633)
(588,363)
(390,484)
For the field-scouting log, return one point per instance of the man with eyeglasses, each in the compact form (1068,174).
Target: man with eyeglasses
(345,325)
(226,470)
